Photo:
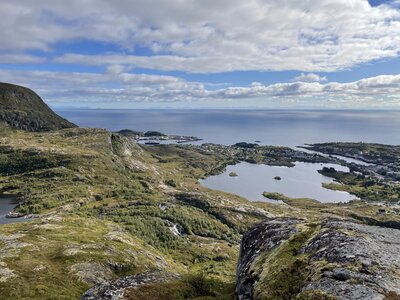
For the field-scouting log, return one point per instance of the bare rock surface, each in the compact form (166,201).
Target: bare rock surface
(91,272)
(265,237)
(115,289)
(344,259)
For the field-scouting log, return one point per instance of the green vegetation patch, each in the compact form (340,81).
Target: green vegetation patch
(18,161)
(62,256)
(283,272)
(364,187)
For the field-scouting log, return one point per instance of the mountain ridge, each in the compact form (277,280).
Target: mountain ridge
(22,108)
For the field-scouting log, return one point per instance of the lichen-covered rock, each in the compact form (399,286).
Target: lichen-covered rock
(114,290)
(262,238)
(332,259)
(91,272)
(6,274)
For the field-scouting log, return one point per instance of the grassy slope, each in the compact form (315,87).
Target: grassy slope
(85,183)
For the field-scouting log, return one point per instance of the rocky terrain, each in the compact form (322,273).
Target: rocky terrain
(22,108)
(117,289)
(289,258)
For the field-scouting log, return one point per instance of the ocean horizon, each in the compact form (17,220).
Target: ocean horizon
(282,127)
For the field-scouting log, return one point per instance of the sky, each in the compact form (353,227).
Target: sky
(204,53)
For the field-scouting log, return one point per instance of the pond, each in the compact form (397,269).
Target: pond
(7,204)
(300,181)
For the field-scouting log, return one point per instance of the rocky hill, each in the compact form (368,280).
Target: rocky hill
(288,258)
(22,108)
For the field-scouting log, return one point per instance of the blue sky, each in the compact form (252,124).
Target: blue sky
(197,54)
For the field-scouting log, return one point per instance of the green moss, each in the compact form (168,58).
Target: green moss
(283,271)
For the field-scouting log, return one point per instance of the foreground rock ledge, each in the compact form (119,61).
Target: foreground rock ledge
(288,258)
(113,290)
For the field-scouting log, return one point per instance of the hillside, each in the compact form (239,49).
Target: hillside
(22,108)
(105,208)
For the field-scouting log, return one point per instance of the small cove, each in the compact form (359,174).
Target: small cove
(300,181)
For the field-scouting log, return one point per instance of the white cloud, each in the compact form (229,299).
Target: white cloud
(15,58)
(310,77)
(119,86)
(111,86)
(205,36)
(395,2)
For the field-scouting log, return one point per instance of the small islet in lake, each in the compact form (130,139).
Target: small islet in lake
(300,181)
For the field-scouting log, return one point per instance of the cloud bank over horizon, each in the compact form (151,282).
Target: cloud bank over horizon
(303,52)
(90,88)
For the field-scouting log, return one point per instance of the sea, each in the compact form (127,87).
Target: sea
(270,127)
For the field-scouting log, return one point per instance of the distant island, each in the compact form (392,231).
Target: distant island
(155,137)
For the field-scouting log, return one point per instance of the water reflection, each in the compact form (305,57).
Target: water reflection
(301,181)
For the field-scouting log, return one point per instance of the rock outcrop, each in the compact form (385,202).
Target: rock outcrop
(288,258)
(22,108)
(114,290)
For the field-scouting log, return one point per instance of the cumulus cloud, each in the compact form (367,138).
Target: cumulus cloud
(383,85)
(116,85)
(109,87)
(310,77)
(205,36)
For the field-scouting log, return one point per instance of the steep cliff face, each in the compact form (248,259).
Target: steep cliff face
(22,108)
(287,258)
